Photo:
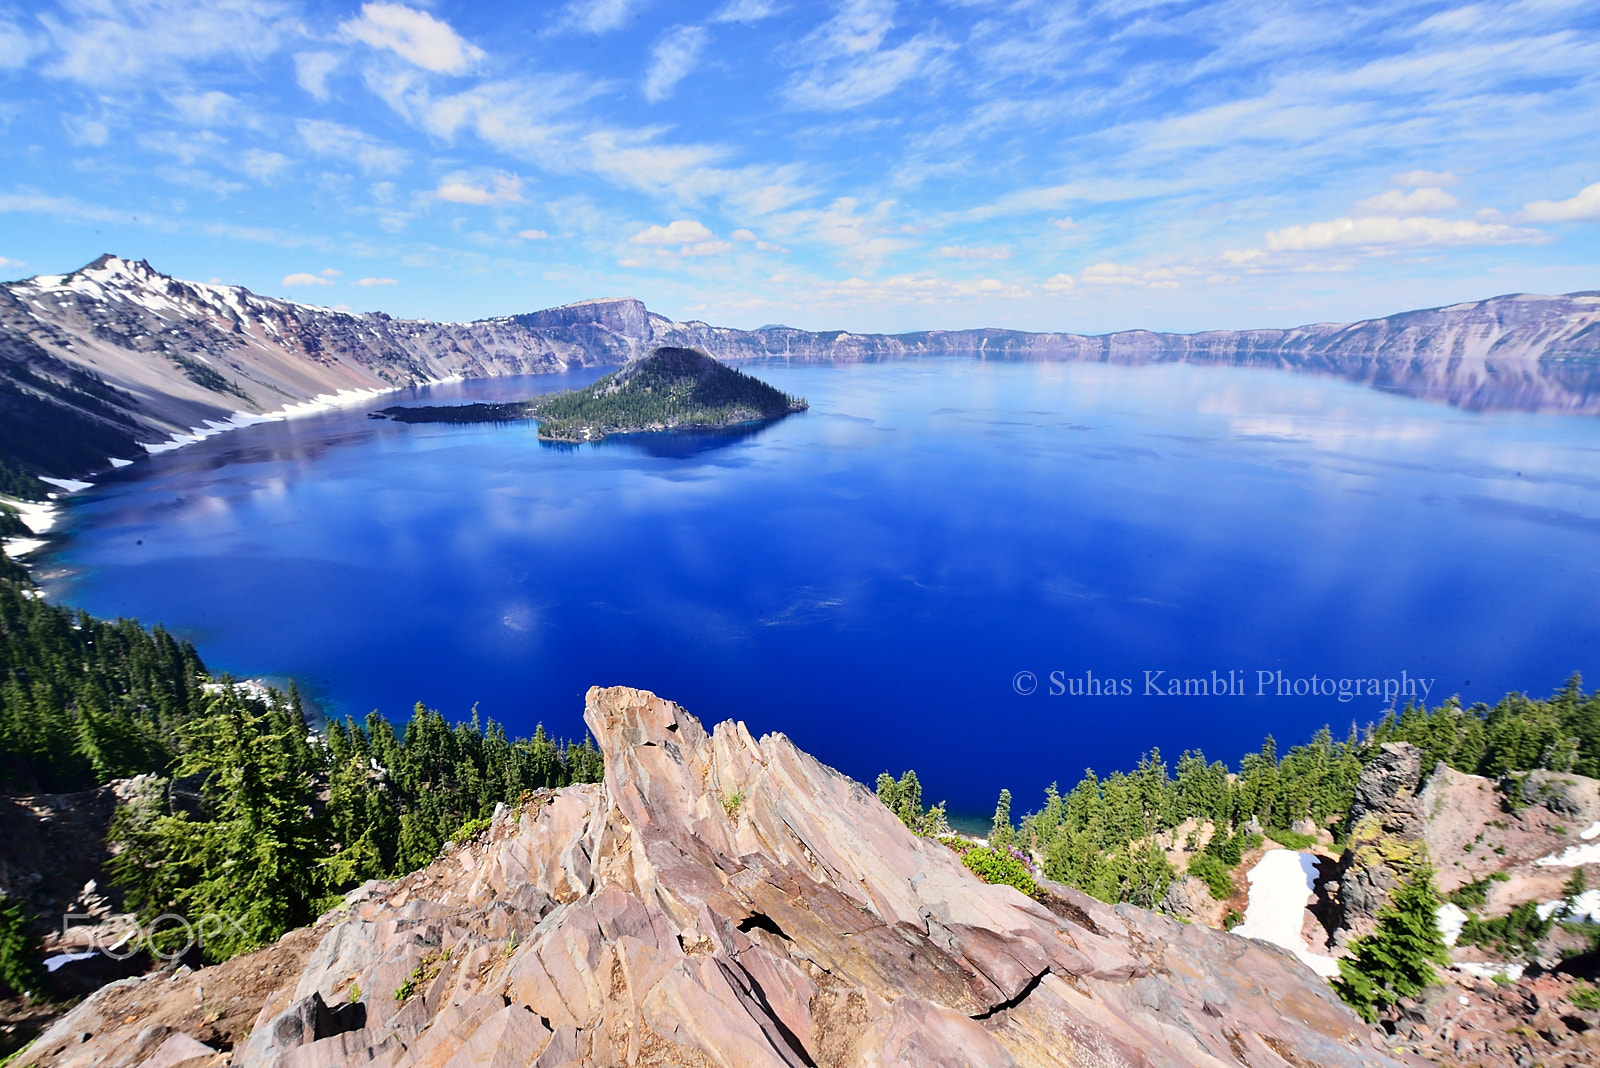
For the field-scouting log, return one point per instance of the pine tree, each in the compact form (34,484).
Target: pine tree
(20,972)
(1002,834)
(1397,959)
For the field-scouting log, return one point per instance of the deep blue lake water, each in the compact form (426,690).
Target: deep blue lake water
(871,576)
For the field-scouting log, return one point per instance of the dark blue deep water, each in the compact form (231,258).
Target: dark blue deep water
(871,576)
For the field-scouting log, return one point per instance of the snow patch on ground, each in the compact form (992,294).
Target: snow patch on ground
(1450,918)
(1573,856)
(1512,972)
(1593,831)
(323,403)
(71,485)
(17,547)
(1282,883)
(37,516)
(1584,908)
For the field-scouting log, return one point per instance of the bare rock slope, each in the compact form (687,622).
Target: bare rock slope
(725,901)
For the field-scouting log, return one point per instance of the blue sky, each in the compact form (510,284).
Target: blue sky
(865,164)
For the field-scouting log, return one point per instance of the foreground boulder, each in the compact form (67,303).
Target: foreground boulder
(732,902)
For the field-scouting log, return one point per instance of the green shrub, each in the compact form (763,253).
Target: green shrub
(1585,996)
(1292,839)
(998,868)
(1520,930)
(470,830)
(1214,873)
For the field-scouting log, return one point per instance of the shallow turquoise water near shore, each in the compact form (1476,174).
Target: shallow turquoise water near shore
(871,576)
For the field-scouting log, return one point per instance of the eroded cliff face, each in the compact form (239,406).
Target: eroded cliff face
(723,900)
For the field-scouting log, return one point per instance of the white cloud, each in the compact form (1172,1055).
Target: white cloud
(262,165)
(204,109)
(132,44)
(1412,179)
(672,58)
(311,70)
(964,252)
(1067,223)
(374,282)
(305,279)
(329,272)
(500,189)
(749,236)
(532,235)
(1425,201)
(679,232)
(1379,231)
(866,239)
(1113,274)
(839,87)
(336,141)
(6,264)
(851,66)
(415,36)
(1585,207)
(745,11)
(85,131)
(17,47)
(599,16)
(1059,283)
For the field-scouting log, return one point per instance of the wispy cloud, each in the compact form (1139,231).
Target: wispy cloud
(305,278)
(978,252)
(415,36)
(850,65)
(1428,200)
(497,189)
(672,58)
(1384,231)
(364,282)
(311,71)
(156,41)
(337,141)
(746,11)
(599,16)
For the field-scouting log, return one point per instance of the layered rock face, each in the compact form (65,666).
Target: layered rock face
(723,900)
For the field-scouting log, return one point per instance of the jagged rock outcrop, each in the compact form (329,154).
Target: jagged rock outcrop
(1383,837)
(95,362)
(723,900)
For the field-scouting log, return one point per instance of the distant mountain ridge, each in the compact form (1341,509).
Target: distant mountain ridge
(117,356)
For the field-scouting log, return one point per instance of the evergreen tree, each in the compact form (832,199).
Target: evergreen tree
(248,869)
(20,971)
(1397,959)
(1002,833)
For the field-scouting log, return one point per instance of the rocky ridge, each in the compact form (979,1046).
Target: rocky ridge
(115,355)
(723,900)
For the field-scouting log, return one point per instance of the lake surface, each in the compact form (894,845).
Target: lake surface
(873,577)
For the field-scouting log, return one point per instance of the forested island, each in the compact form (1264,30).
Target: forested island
(670,389)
